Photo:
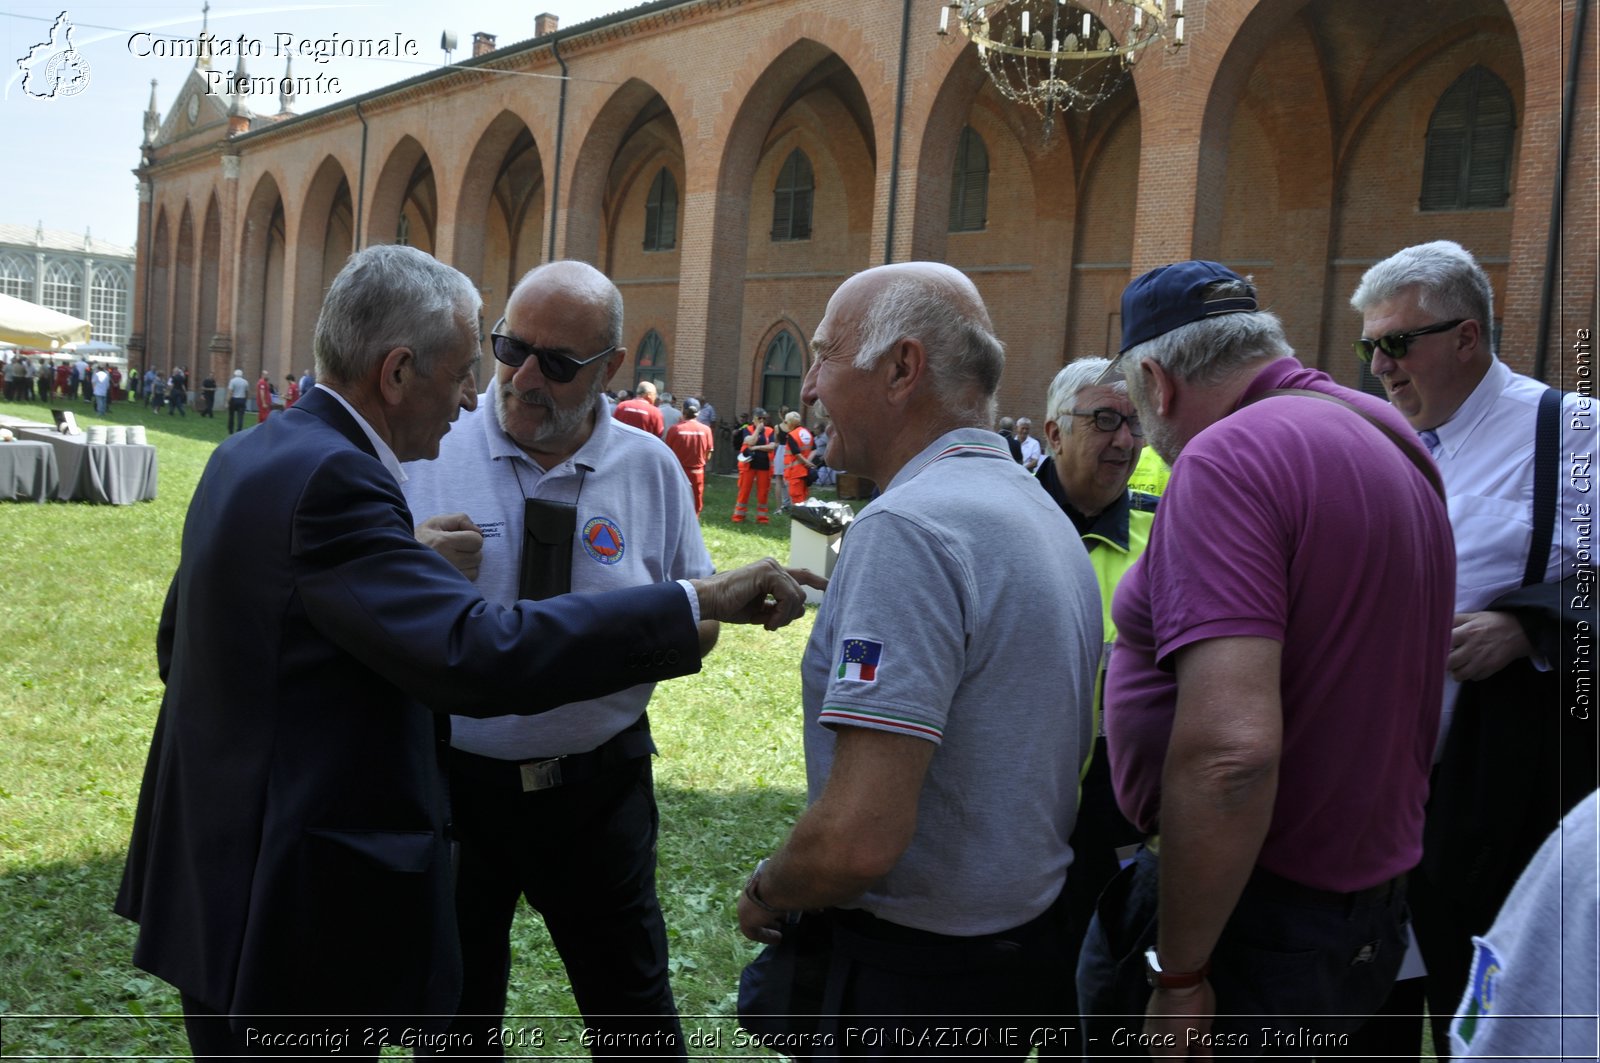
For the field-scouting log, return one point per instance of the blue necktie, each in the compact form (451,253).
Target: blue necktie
(1430,439)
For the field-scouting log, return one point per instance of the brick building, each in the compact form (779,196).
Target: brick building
(729,162)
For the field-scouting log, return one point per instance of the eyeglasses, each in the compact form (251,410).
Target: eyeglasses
(1395,343)
(1108,420)
(508,350)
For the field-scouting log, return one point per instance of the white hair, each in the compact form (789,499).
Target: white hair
(389,296)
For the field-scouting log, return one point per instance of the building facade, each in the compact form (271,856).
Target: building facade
(74,273)
(729,162)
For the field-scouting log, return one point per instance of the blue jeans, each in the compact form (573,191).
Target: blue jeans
(1292,972)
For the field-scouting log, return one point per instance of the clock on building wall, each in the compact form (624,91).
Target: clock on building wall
(194,109)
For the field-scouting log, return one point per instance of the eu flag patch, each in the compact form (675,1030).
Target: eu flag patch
(859,661)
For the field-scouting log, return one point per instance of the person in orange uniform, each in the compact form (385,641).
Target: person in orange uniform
(756,444)
(800,444)
(263,397)
(692,443)
(291,391)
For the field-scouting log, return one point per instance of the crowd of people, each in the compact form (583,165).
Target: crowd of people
(1280,724)
(37,378)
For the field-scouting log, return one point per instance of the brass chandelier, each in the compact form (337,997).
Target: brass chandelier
(1061,55)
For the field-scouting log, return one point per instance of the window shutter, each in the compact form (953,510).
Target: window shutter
(1467,161)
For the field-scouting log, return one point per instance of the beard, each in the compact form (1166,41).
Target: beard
(1158,434)
(561,424)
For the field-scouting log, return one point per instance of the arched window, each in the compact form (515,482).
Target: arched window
(651,364)
(1467,163)
(791,200)
(781,374)
(108,295)
(661,214)
(16,276)
(969,184)
(63,286)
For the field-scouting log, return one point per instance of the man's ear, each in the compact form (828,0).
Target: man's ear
(1054,437)
(1160,385)
(397,369)
(613,363)
(906,366)
(1471,340)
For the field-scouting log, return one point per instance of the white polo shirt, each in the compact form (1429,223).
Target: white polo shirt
(636,525)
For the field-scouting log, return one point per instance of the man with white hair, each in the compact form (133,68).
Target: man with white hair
(1271,705)
(566,499)
(944,727)
(1095,439)
(290,867)
(1511,759)
(238,397)
(1028,445)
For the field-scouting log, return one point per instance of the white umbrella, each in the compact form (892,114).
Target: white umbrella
(33,325)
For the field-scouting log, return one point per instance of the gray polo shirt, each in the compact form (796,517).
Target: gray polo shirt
(963,611)
(635,525)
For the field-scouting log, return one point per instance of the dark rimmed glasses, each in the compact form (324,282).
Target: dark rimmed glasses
(1108,420)
(554,365)
(1395,343)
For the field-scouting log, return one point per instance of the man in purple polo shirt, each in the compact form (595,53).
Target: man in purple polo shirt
(1271,705)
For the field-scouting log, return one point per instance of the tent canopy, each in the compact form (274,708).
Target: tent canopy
(33,325)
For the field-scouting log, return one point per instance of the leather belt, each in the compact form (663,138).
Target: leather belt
(549,773)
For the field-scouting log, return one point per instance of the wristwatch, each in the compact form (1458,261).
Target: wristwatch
(1164,979)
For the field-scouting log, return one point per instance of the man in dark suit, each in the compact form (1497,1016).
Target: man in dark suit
(290,866)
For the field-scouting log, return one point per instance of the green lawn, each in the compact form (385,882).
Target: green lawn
(78,696)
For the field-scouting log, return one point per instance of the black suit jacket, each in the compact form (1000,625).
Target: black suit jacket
(290,850)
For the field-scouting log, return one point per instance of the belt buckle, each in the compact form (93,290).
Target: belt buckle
(541,774)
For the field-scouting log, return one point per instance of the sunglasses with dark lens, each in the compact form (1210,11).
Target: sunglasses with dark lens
(1395,343)
(553,365)
(1108,420)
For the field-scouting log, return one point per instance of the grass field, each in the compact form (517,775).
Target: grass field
(79,692)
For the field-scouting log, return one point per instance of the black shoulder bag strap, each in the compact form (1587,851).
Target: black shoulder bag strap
(1410,448)
(1547,437)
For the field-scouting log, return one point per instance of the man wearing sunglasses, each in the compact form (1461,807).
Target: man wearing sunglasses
(559,808)
(1268,715)
(1506,771)
(291,851)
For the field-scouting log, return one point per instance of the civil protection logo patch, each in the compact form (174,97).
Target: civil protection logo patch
(1478,1003)
(603,541)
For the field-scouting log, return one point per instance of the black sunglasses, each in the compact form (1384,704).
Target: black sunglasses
(1395,343)
(554,365)
(1108,420)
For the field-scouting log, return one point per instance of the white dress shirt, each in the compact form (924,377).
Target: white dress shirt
(1485,455)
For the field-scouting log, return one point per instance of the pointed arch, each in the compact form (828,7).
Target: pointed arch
(183,282)
(500,209)
(158,329)
(323,240)
(260,310)
(209,290)
(404,205)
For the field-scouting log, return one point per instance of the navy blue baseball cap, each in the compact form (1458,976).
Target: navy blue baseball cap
(1170,297)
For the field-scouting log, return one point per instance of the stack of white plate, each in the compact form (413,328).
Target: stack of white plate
(136,433)
(116,434)
(97,434)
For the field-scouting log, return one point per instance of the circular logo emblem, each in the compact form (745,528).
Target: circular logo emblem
(66,73)
(602,539)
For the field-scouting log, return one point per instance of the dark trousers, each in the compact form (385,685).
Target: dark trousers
(235,415)
(584,856)
(897,992)
(214,1037)
(1295,974)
